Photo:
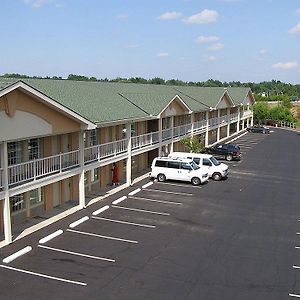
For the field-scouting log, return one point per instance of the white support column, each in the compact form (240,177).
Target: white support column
(238,120)
(251,119)
(192,122)
(129,155)
(172,126)
(243,120)
(219,124)
(207,125)
(160,152)
(228,121)
(81,175)
(6,206)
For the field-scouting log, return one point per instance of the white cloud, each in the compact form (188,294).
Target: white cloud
(216,47)
(207,58)
(206,39)
(122,16)
(40,3)
(297,12)
(170,15)
(263,51)
(285,66)
(163,54)
(130,46)
(295,29)
(204,17)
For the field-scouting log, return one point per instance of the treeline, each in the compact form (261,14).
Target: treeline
(274,90)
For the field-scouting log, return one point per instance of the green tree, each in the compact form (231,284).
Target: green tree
(193,144)
(260,112)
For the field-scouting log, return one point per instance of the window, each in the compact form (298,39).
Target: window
(14,153)
(33,149)
(17,203)
(173,165)
(206,162)
(161,163)
(36,196)
(93,137)
(196,160)
(90,138)
(94,174)
(186,166)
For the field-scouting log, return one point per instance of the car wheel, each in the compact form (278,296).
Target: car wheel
(229,157)
(217,176)
(196,181)
(161,177)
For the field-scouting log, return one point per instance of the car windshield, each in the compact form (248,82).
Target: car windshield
(194,165)
(215,161)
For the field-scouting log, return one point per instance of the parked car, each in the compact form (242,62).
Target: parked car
(164,168)
(215,169)
(225,151)
(258,129)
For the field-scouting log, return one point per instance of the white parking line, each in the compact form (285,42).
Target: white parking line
(134,192)
(17,254)
(51,236)
(167,192)
(102,236)
(296,267)
(124,222)
(76,223)
(100,210)
(119,200)
(154,200)
(294,295)
(76,253)
(44,275)
(147,184)
(142,210)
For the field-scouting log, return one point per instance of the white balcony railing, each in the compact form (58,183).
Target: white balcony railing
(98,152)
(167,134)
(199,125)
(144,140)
(246,113)
(234,117)
(42,167)
(38,168)
(182,130)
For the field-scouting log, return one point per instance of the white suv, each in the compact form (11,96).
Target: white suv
(164,168)
(215,169)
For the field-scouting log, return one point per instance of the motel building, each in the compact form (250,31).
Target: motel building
(59,138)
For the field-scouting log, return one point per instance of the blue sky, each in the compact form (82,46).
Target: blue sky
(191,40)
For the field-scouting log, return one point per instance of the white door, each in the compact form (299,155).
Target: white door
(207,166)
(185,172)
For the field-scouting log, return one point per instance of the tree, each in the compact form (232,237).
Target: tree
(281,113)
(260,112)
(193,144)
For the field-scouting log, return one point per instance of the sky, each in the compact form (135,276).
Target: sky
(189,40)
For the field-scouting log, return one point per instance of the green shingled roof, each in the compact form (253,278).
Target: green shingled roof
(238,94)
(106,101)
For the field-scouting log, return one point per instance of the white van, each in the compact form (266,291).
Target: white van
(164,168)
(209,163)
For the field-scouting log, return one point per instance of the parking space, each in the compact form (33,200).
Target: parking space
(233,239)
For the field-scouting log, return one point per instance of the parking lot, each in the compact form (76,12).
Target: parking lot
(233,239)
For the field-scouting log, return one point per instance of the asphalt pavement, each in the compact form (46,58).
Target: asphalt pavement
(233,239)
